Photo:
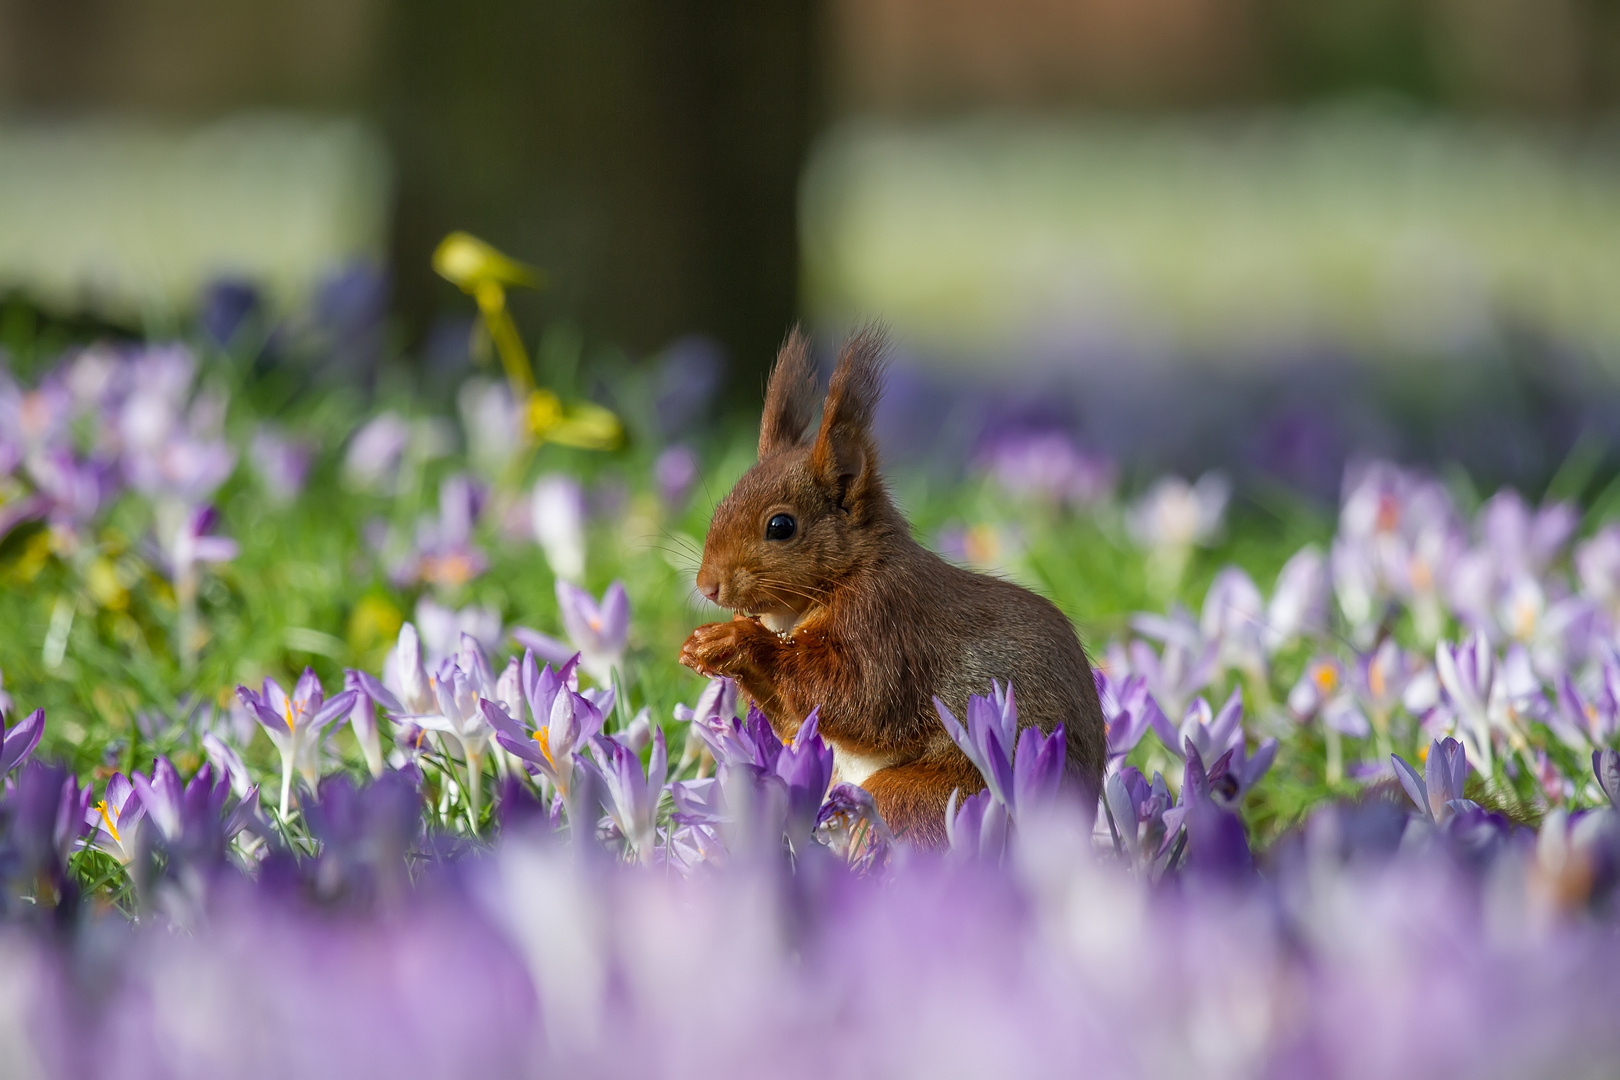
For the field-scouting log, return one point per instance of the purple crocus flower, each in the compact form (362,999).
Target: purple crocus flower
(198,820)
(461,687)
(773,788)
(851,827)
(495,425)
(296,724)
(1398,537)
(1324,691)
(443,553)
(116,820)
(1467,675)
(989,738)
(1173,515)
(363,720)
(1038,769)
(1047,464)
(598,631)
(674,473)
(20,740)
(173,443)
(1298,605)
(73,489)
(1581,721)
(442,628)
(31,420)
(1185,663)
(1597,562)
(1024,772)
(709,719)
(366,834)
(557,506)
(1211,733)
(1129,711)
(281,462)
(633,796)
(190,540)
(1438,794)
(404,677)
(1522,540)
(976,827)
(376,450)
(805,768)
(1232,775)
(563,722)
(1606,766)
(1217,846)
(163,796)
(1234,620)
(1381,678)
(227,762)
(47,813)
(1137,813)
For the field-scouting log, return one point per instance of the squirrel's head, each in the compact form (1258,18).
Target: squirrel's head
(811,509)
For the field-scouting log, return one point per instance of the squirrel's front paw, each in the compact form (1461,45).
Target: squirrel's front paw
(718,648)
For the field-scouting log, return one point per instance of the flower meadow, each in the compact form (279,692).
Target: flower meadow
(344,736)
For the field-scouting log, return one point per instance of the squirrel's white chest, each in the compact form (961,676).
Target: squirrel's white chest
(852,768)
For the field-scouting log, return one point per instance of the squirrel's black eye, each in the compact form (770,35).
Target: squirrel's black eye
(780,527)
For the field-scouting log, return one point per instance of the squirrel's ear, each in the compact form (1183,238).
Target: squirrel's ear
(789,398)
(844,456)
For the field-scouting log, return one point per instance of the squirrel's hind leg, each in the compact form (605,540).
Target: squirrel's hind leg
(912,797)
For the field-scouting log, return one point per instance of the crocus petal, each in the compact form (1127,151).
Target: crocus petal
(214,549)
(1122,812)
(223,757)
(1413,783)
(332,710)
(21,740)
(307,694)
(1606,764)
(615,616)
(373,688)
(502,722)
(544,646)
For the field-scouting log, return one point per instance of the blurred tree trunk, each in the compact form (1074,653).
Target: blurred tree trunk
(645,153)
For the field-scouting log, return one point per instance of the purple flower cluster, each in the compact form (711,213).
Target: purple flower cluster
(1515,627)
(698,927)
(106,419)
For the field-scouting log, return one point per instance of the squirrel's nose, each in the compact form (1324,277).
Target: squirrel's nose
(709,585)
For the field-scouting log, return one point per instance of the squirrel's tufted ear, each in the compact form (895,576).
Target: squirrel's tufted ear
(844,455)
(790,397)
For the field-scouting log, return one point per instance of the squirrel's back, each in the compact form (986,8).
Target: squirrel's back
(973,629)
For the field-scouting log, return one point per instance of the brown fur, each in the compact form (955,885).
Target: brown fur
(880,625)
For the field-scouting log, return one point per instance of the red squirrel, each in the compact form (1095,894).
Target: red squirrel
(837,606)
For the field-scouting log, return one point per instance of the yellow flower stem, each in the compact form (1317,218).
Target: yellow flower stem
(508,343)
